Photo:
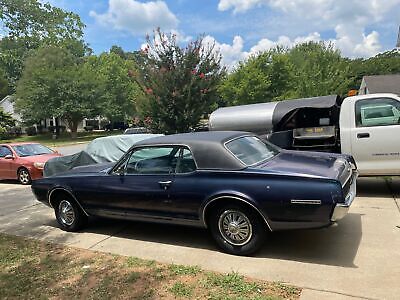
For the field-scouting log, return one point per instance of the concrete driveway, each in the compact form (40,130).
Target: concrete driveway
(359,258)
(71,149)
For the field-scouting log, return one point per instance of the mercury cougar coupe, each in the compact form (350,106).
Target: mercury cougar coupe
(233,183)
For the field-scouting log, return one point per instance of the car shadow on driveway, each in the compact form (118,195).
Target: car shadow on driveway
(336,245)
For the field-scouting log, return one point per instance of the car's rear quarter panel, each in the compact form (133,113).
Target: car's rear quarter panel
(270,193)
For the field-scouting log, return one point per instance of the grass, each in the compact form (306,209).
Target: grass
(30,269)
(63,139)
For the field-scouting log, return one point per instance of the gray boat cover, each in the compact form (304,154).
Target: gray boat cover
(100,150)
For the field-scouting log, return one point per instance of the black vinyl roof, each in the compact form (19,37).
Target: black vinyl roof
(207,148)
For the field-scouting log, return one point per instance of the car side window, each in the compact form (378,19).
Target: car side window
(4,151)
(152,160)
(377,112)
(186,163)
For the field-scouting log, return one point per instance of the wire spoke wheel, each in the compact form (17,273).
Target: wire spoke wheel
(66,213)
(235,227)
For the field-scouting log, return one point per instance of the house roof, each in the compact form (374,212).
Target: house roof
(383,83)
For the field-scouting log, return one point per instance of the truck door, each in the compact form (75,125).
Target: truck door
(375,140)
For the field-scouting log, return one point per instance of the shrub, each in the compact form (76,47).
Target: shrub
(31,130)
(88,128)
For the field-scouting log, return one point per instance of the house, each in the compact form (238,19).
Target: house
(380,84)
(7,104)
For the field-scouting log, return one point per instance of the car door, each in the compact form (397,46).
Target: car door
(375,139)
(6,164)
(188,189)
(139,184)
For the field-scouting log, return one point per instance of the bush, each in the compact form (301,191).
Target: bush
(9,132)
(3,133)
(14,131)
(61,128)
(88,128)
(31,131)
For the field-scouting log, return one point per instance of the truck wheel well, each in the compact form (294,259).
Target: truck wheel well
(229,200)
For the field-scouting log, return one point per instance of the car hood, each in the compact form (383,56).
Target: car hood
(309,164)
(40,158)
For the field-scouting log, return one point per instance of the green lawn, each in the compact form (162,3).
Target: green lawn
(30,269)
(63,139)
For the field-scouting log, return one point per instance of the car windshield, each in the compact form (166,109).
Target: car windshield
(250,150)
(31,150)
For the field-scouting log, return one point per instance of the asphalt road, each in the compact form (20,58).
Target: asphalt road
(358,258)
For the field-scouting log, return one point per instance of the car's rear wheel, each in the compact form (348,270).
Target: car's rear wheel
(237,229)
(69,215)
(24,177)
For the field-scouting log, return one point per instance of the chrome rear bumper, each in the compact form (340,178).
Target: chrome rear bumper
(341,209)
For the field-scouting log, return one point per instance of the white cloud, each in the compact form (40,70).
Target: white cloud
(348,18)
(238,5)
(136,17)
(233,53)
(266,44)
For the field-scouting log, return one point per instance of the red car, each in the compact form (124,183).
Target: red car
(24,161)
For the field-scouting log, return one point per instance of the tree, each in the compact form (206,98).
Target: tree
(6,121)
(57,84)
(307,70)
(119,89)
(382,64)
(262,78)
(4,85)
(319,70)
(28,24)
(179,84)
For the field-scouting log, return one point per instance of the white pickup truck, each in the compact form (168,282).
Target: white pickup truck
(364,126)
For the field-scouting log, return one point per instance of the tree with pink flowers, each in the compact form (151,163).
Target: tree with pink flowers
(179,83)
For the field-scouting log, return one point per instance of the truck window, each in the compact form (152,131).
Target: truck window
(377,112)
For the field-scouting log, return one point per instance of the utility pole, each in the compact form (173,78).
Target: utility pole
(398,40)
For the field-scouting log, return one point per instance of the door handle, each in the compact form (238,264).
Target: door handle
(165,184)
(363,135)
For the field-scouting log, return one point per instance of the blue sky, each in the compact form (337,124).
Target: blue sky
(359,28)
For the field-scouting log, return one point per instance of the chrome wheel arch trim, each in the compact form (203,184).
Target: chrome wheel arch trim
(235,198)
(70,193)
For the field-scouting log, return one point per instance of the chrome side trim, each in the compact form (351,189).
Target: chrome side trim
(236,198)
(65,190)
(305,201)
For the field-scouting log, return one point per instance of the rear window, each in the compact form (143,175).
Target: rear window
(250,150)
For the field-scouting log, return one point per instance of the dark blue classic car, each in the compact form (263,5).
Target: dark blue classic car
(233,183)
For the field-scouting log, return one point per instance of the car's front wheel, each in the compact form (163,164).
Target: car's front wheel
(24,177)
(237,229)
(69,215)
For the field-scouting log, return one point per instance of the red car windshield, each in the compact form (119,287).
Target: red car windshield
(31,150)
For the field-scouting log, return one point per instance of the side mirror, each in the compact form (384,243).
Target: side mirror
(9,156)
